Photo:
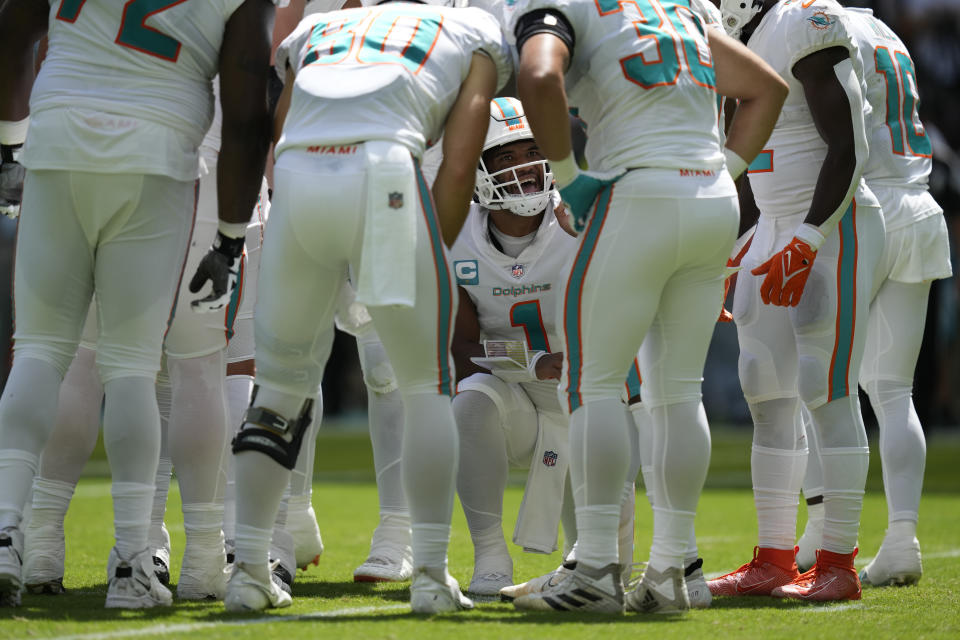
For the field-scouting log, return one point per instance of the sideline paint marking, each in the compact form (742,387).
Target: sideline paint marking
(161,629)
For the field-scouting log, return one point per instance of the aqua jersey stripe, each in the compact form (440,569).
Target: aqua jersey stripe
(846,304)
(234,306)
(633,380)
(572,295)
(445,312)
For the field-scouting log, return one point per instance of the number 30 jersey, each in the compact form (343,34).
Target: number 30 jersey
(126,87)
(516,298)
(389,72)
(642,77)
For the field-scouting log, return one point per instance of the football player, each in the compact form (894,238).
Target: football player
(112,159)
(916,253)
(802,299)
(365,90)
(658,215)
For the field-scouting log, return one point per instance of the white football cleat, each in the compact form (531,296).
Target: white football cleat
(541,583)
(898,563)
(586,589)
(202,574)
(387,562)
(133,583)
(697,591)
(159,542)
(44,555)
(486,586)
(302,524)
(246,593)
(11,563)
(429,595)
(659,592)
(282,559)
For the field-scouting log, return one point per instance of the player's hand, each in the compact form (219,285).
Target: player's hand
(221,266)
(549,366)
(580,193)
(564,219)
(787,273)
(12,174)
(740,248)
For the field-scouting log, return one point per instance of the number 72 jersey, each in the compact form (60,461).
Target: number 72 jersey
(127,85)
(388,72)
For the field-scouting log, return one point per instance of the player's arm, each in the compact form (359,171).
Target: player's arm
(743,75)
(834,96)
(544,58)
(244,73)
(466,338)
(464,132)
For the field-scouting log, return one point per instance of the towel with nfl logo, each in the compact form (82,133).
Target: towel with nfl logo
(539,514)
(387,273)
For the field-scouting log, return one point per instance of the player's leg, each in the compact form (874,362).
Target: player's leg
(302,268)
(812,536)
(159,538)
(52,288)
(66,452)
(672,358)
(831,323)
(894,337)
(417,340)
(768,375)
(391,557)
(143,240)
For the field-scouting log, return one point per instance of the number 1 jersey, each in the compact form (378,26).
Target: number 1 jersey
(389,72)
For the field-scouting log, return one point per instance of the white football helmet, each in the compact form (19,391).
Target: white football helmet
(504,189)
(737,13)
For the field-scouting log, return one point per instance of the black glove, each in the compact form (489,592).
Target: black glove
(221,266)
(11,180)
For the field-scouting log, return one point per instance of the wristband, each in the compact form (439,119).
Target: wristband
(811,235)
(735,164)
(233,230)
(13,133)
(564,171)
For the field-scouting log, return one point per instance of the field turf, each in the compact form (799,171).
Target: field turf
(328,604)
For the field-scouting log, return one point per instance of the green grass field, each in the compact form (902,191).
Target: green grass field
(328,604)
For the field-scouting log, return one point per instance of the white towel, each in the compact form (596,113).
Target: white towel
(539,514)
(388,264)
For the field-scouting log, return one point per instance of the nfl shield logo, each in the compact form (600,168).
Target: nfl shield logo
(395,200)
(517,271)
(550,458)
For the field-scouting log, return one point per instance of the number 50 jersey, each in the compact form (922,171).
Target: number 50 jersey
(126,87)
(516,298)
(389,72)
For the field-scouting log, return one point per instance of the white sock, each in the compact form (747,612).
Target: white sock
(626,526)
(430,456)
(131,516)
(51,498)
(671,533)
(202,524)
(490,550)
(253,550)
(598,526)
(430,545)
(844,475)
(777,476)
(905,530)
(16,474)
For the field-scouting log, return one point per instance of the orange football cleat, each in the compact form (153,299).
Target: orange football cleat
(769,569)
(831,578)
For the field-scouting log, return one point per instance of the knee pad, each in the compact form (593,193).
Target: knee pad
(754,377)
(377,371)
(272,434)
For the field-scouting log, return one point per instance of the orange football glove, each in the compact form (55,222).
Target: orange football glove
(787,274)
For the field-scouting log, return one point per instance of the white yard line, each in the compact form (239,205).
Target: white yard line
(163,629)
(833,608)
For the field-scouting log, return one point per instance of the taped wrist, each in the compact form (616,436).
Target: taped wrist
(230,247)
(268,432)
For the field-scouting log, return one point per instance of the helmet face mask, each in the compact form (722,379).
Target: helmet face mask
(737,13)
(521,186)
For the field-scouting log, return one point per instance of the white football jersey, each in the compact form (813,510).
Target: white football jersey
(126,86)
(900,152)
(784,175)
(388,72)
(516,298)
(642,78)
